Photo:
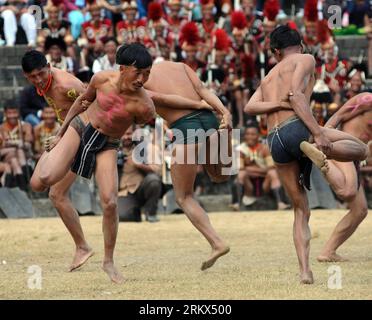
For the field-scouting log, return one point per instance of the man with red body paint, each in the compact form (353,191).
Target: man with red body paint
(88,141)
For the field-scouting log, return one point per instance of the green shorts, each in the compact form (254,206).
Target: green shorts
(194,127)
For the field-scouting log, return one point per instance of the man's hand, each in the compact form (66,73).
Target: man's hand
(205,106)
(226,122)
(85,104)
(51,142)
(323,143)
(285,105)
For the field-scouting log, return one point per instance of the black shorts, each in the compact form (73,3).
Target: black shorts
(284,143)
(92,143)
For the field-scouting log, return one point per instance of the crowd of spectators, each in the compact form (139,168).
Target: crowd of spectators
(226,42)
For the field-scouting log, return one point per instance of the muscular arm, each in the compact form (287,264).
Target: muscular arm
(298,101)
(351,109)
(206,94)
(256,105)
(78,107)
(173,101)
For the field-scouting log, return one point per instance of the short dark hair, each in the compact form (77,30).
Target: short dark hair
(11,104)
(110,39)
(134,54)
(252,125)
(283,37)
(33,60)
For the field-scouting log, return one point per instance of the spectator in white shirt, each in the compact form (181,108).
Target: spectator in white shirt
(107,62)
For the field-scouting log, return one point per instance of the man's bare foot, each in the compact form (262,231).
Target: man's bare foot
(81,256)
(332,257)
(216,253)
(314,154)
(112,272)
(306,278)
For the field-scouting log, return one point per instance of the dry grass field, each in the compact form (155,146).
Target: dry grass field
(162,260)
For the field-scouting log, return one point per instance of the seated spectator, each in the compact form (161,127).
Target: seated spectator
(318,111)
(54,26)
(358,10)
(97,29)
(5,171)
(257,174)
(140,185)
(130,29)
(55,49)
(355,84)
(47,128)
(19,24)
(31,105)
(108,61)
(17,144)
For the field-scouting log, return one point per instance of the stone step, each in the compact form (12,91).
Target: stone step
(11,56)
(12,75)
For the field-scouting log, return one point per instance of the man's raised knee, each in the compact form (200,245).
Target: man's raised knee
(346,194)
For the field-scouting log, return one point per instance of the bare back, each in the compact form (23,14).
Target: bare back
(171,78)
(278,83)
(112,112)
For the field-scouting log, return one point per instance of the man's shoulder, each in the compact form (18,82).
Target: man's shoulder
(307,57)
(103,76)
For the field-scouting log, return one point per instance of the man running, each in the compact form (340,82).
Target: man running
(291,129)
(354,117)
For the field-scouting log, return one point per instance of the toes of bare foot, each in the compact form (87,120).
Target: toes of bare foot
(81,256)
(331,258)
(307,278)
(114,275)
(213,258)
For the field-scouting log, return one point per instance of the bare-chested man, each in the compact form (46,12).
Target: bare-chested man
(88,143)
(59,89)
(181,80)
(355,118)
(291,129)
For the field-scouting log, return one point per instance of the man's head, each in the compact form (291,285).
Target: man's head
(135,65)
(174,7)
(126,139)
(129,8)
(53,13)
(11,112)
(110,46)
(248,7)
(207,9)
(95,12)
(49,116)
(282,39)
(356,80)
(36,68)
(56,47)
(252,135)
